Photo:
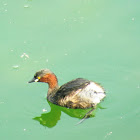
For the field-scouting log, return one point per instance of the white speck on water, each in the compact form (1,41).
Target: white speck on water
(108,134)
(65,54)
(25,56)
(1,102)
(26,6)
(24,129)
(5,10)
(12,50)
(16,66)
(47,60)
(133,18)
(5,4)
(44,110)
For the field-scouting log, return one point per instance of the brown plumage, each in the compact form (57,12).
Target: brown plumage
(78,93)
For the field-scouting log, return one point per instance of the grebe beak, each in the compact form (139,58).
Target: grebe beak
(33,80)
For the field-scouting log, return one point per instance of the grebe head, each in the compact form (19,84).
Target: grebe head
(45,76)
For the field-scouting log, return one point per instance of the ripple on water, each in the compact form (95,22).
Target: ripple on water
(16,67)
(26,6)
(24,56)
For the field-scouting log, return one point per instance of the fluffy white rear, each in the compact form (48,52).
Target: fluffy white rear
(93,92)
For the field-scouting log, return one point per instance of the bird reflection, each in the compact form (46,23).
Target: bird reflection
(51,118)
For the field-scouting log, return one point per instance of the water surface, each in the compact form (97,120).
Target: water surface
(96,40)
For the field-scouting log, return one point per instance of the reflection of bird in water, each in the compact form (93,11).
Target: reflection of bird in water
(51,118)
(77,94)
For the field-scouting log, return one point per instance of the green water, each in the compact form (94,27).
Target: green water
(93,39)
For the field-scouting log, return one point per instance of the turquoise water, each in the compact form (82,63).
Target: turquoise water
(96,40)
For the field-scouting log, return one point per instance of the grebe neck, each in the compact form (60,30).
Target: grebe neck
(51,93)
(53,86)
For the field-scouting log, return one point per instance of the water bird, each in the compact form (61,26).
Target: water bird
(77,94)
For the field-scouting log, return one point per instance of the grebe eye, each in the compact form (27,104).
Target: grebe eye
(38,77)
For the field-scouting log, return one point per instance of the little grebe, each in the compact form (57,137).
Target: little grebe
(78,93)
